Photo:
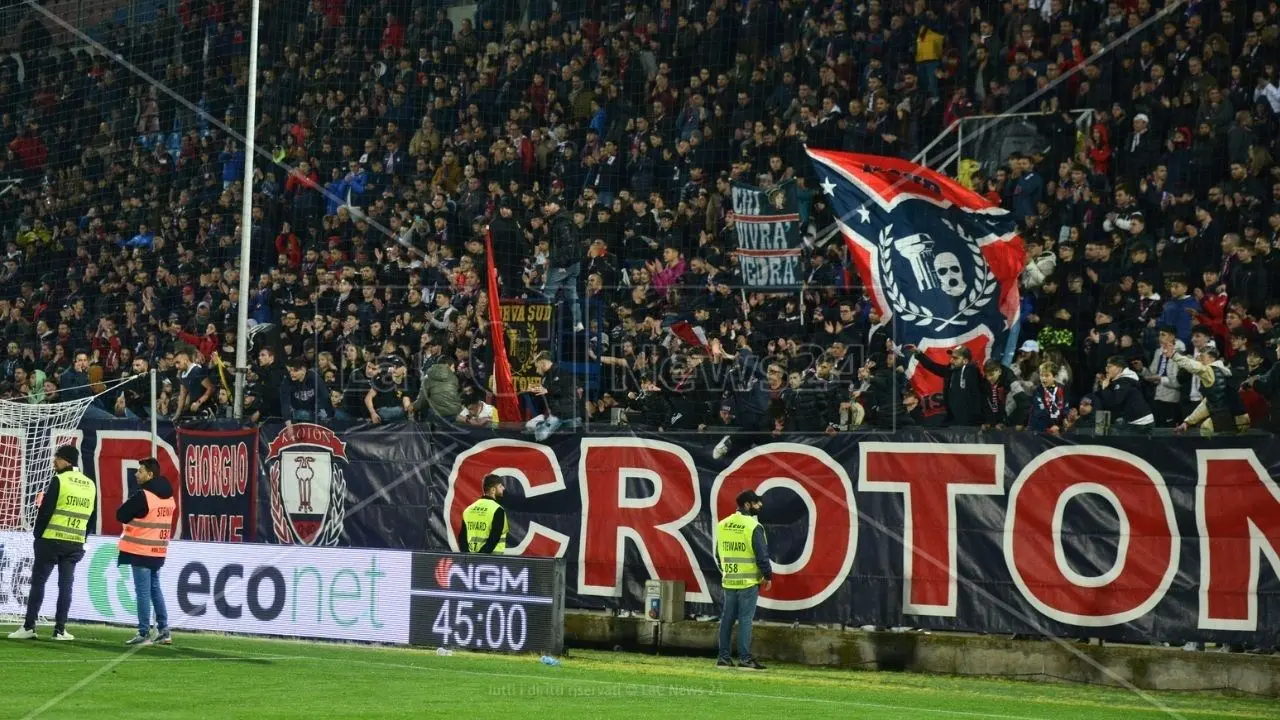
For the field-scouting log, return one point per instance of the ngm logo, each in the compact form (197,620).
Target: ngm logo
(481,577)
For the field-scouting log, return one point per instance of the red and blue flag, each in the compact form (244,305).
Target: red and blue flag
(939,261)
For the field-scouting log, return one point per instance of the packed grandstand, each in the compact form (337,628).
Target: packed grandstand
(596,145)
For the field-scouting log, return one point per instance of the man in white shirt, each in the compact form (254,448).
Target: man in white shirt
(478,413)
(1163,374)
(1269,91)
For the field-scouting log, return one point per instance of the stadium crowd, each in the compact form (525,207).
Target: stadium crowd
(597,142)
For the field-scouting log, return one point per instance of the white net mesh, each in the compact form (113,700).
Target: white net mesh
(29,435)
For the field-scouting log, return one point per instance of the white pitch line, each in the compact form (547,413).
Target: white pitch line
(239,658)
(692,693)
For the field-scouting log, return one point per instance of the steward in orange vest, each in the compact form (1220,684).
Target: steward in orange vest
(148,517)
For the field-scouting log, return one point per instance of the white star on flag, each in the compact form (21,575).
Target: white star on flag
(864,215)
(828,187)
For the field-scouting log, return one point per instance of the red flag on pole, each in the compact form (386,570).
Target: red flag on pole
(504,383)
(689,334)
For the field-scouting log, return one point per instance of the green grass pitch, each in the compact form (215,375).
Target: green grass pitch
(209,676)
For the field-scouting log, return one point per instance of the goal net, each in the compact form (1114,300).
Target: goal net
(29,435)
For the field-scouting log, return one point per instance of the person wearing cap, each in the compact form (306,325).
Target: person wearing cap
(1140,151)
(742,551)
(484,522)
(565,263)
(62,522)
(1081,418)
(507,233)
(962,384)
(147,516)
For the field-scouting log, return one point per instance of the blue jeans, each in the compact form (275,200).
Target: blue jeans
(391,414)
(565,280)
(739,605)
(93,412)
(927,78)
(146,587)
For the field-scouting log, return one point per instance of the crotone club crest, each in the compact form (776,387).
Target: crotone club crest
(308,490)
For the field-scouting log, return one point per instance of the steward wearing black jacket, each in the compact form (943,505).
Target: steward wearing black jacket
(136,508)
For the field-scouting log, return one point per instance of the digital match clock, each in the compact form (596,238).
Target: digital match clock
(488,602)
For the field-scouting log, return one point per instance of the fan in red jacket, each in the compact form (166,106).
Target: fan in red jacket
(204,344)
(288,245)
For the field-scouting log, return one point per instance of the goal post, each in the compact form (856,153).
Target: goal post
(29,436)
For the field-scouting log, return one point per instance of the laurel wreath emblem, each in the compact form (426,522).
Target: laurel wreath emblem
(978,297)
(330,532)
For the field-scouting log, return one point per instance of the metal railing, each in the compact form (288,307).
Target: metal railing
(964,133)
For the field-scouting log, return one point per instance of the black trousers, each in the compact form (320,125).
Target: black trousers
(1167,413)
(753,429)
(50,554)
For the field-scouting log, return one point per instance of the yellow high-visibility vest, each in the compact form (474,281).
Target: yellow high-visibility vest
(77,498)
(479,520)
(738,568)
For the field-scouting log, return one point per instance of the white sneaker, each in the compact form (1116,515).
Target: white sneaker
(22,634)
(63,635)
(546,428)
(721,449)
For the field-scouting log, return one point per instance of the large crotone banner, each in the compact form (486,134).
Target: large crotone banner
(1128,539)
(1131,539)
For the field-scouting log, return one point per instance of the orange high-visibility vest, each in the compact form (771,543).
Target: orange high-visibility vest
(149,536)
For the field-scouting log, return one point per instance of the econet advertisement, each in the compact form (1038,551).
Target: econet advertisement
(292,591)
